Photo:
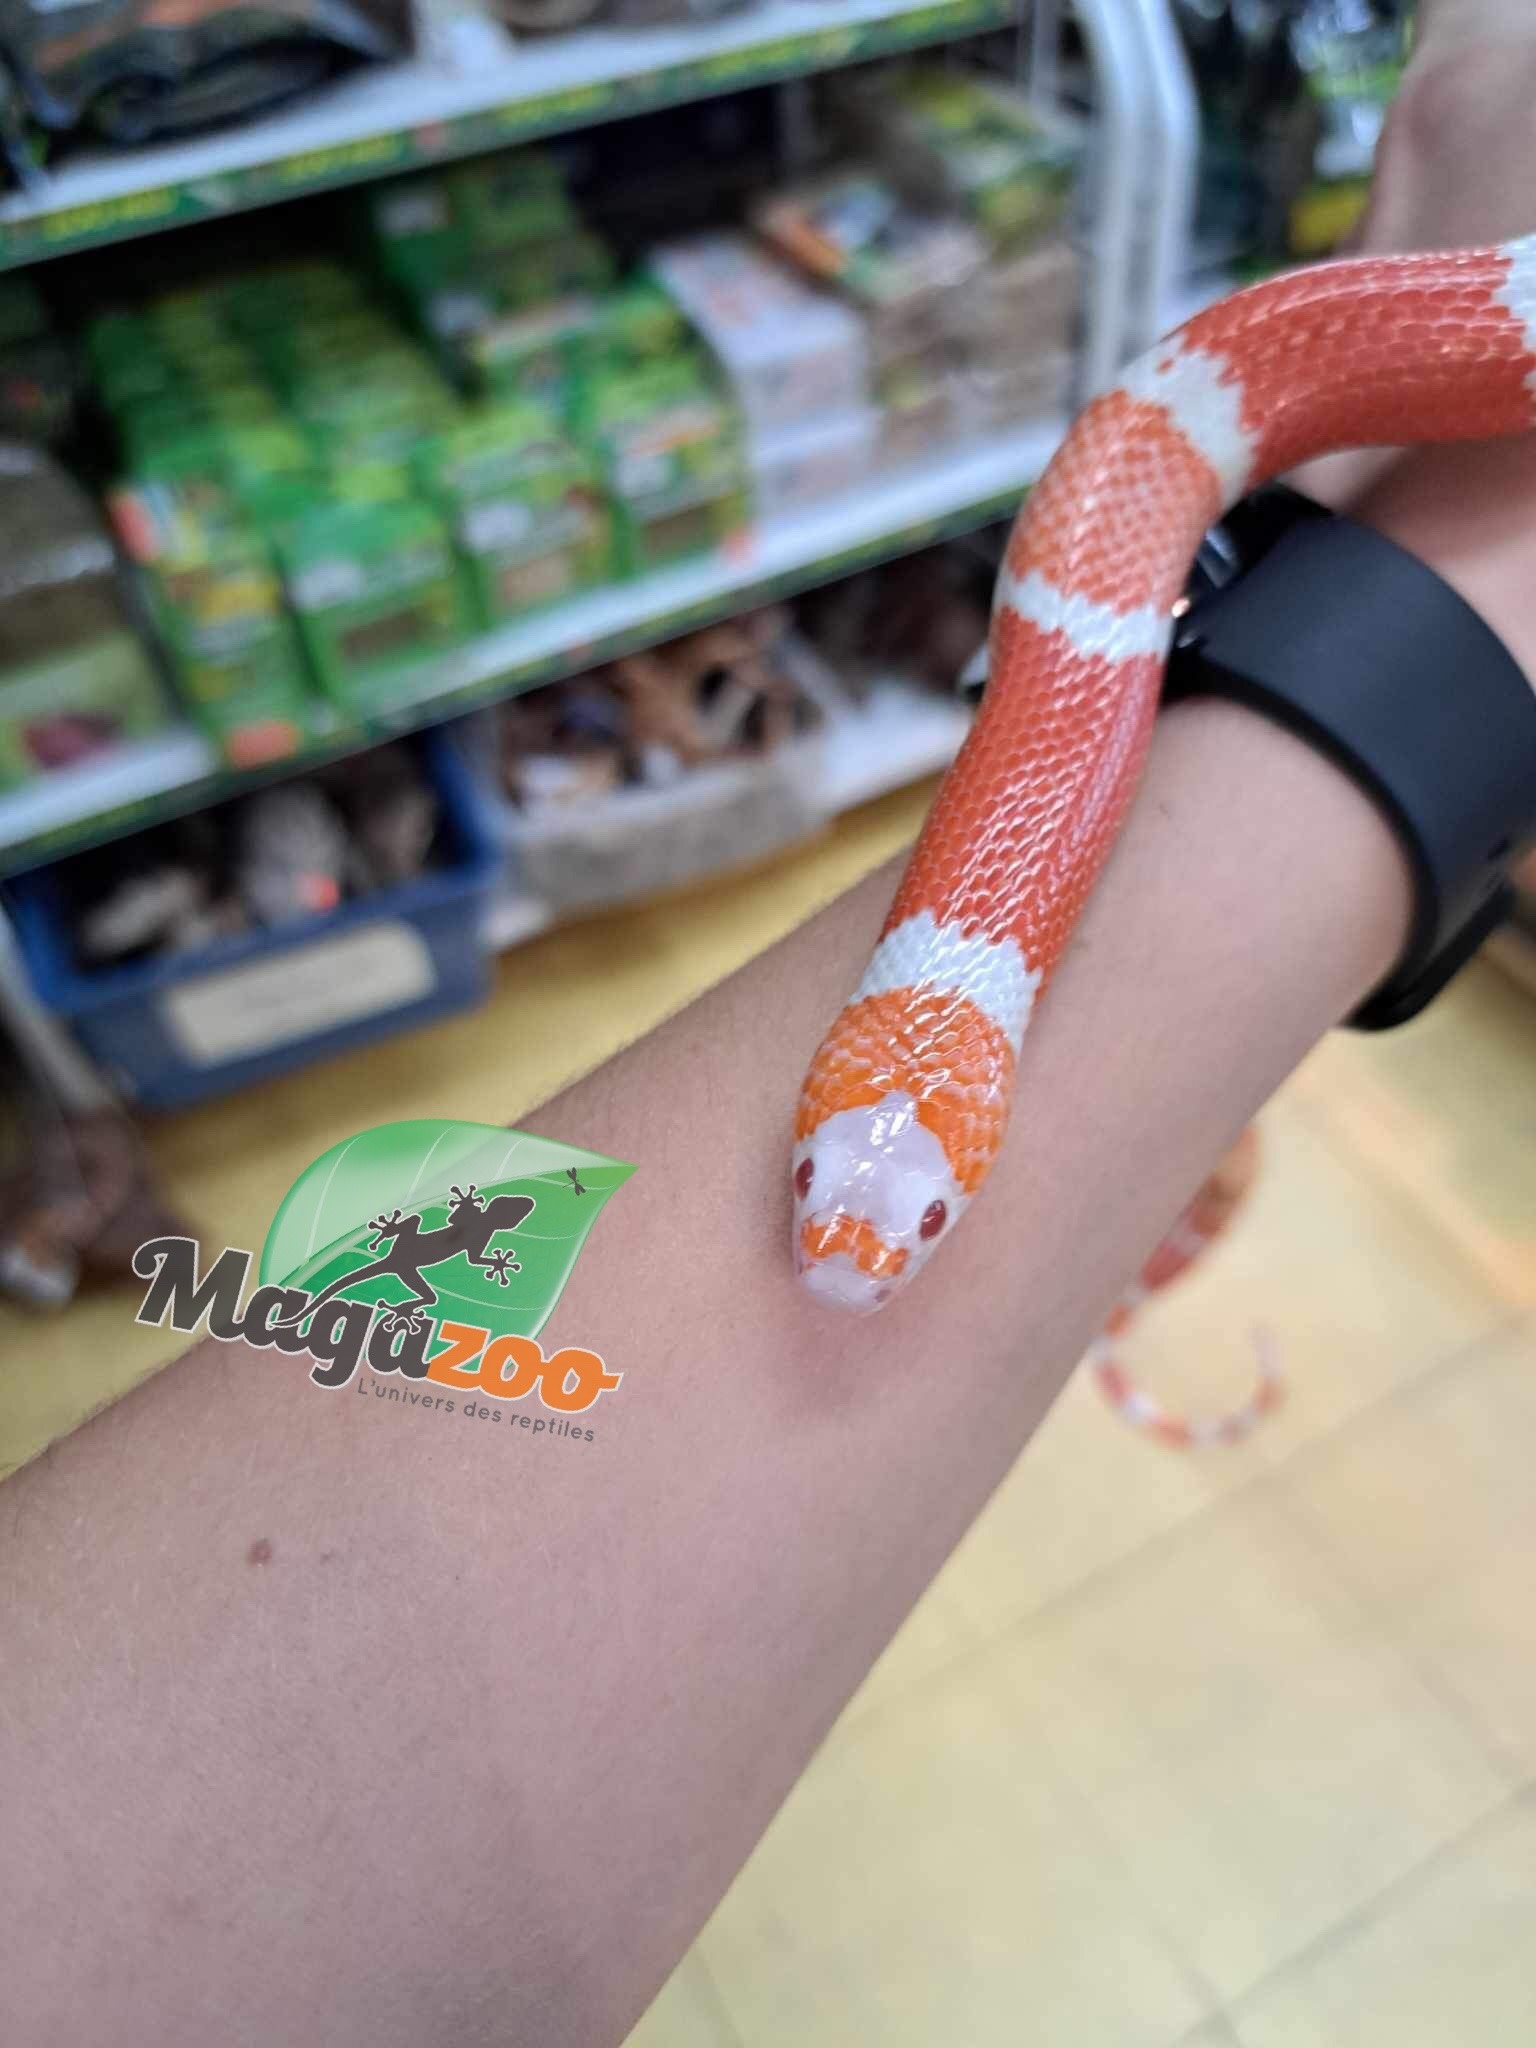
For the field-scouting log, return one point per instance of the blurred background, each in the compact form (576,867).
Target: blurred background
(506,557)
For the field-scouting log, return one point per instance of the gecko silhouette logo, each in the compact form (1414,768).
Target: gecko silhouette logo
(428,1251)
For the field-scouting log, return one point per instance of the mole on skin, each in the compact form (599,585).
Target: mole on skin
(260,1551)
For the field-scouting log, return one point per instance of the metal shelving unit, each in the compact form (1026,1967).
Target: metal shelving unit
(178,771)
(485,96)
(490,93)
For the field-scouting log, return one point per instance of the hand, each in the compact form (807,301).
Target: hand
(1457,161)
(1457,166)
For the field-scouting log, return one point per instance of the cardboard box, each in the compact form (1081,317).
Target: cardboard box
(788,351)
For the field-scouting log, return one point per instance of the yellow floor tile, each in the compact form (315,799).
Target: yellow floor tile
(933,1635)
(1087,1493)
(1445,1111)
(1261,1762)
(1359,1296)
(932,1882)
(687,2013)
(1447,1961)
(1358,1292)
(1429,1506)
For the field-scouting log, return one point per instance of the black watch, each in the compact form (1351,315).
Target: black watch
(1358,647)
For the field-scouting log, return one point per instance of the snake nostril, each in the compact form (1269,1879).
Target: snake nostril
(805,1173)
(935,1216)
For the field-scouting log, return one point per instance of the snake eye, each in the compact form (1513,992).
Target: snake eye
(805,1173)
(935,1216)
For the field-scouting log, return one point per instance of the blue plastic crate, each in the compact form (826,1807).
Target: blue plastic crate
(190,1025)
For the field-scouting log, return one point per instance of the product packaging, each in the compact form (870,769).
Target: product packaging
(901,266)
(669,448)
(217,605)
(133,72)
(795,468)
(75,679)
(968,145)
(374,586)
(788,351)
(525,507)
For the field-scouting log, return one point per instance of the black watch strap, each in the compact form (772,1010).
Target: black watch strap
(1357,646)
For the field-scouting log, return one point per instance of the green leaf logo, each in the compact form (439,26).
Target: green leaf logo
(324,1229)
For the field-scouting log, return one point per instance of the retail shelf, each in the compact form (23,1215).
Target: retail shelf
(888,515)
(897,735)
(401,116)
(133,778)
(511,920)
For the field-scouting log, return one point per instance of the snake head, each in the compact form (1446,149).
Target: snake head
(874,1197)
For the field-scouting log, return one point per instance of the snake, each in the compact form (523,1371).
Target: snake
(904,1108)
(1199,1223)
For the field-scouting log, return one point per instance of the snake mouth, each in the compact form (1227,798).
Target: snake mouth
(856,1240)
(843,1261)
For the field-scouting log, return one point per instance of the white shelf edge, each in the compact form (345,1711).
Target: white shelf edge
(884,505)
(900,734)
(417,93)
(156,766)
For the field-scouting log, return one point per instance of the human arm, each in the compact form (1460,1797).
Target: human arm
(471,1753)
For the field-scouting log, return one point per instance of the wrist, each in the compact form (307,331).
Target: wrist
(1469,511)
(1313,861)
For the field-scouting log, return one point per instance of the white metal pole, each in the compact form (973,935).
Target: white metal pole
(1161,253)
(1121,75)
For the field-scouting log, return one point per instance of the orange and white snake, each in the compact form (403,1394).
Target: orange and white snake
(903,1110)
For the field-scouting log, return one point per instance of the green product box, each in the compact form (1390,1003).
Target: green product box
(263,454)
(515,197)
(371,395)
(539,354)
(533,272)
(233,654)
(211,361)
(374,586)
(286,296)
(526,508)
(452,315)
(238,455)
(637,322)
(415,235)
(961,140)
(218,608)
(128,361)
(341,346)
(670,450)
(450,273)
(54,710)
(192,306)
(246,399)
(171,438)
(365,436)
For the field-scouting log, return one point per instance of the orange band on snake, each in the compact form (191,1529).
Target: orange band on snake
(905,1105)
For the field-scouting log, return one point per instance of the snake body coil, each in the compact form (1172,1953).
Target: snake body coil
(903,1110)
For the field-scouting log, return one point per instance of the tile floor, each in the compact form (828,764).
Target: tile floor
(1228,1751)
(1235,1751)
